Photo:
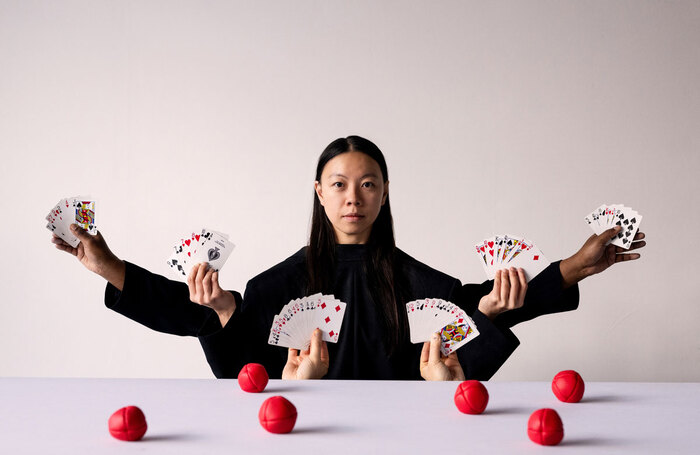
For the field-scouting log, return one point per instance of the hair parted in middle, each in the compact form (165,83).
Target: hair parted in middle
(381,265)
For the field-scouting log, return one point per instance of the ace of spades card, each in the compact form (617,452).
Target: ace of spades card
(208,246)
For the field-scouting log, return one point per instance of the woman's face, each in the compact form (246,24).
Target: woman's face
(352,192)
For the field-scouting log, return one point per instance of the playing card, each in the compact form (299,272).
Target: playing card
(79,210)
(329,313)
(610,215)
(428,316)
(456,334)
(486,251)
(84,214)
(629,220)
(297,320)
(207,246)
(507,250)
(531,260)
(213,248)
(498,243)
(509,246)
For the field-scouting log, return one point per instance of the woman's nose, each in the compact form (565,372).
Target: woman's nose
(353,197)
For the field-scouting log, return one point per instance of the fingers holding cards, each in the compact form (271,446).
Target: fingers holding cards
(506,250)
(74,210)
(513,288)
(508,293)
(299,318)
(428,316)
(207,246)
(608,216)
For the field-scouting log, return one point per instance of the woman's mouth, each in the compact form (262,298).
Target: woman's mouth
(353,217)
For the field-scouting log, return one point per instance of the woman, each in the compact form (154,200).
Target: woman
(351,254)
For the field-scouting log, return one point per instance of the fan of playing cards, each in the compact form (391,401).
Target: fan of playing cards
(427,316)
(80,210)
(293,326)
(506,251)
(608,216)
(208,246)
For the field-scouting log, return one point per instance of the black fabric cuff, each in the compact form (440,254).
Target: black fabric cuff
(161,304)
(484,355)
(545,295)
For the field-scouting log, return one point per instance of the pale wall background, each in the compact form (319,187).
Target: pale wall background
(499,116)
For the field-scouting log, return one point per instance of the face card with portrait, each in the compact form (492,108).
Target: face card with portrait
(73,210)
(428,316)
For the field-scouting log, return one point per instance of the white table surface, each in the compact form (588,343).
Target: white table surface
(56,416)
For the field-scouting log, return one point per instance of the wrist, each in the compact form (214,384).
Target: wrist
(226,313)
(486,308)
(571,271)
(114,271)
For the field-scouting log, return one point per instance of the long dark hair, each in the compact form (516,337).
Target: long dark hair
(383,271)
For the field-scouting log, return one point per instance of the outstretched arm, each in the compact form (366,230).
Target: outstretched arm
(95,255)
(152,300)
(596,255)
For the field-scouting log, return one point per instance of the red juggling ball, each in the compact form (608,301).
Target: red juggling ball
(128,424)
(568,386)
(545,427)
(277,415)
(253,378)
(471,397)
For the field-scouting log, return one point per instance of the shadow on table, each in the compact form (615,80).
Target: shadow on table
(607,399)
(591,442)
(325,429)
(171,437)
(507,410)
(282,388)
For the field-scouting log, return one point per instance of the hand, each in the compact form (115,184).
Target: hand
(436,367)
(310,364)
(597,255)
(203,283)
(95,255)
(509,287)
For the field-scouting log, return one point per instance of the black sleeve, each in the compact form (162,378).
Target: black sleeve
(259,313)
(485,354)
(226,349)
(545,295)
(164,305)
(248,337)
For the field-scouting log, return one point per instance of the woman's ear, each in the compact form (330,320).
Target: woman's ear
(386,192)
(319,193)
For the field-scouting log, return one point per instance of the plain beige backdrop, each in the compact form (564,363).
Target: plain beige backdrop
(495,117)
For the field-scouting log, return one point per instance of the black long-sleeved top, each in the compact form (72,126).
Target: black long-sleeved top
(360,353)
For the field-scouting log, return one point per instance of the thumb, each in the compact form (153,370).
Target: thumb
(609,234)
(215,282)
(434,348)
(425,352)
(78,232)
(316,342)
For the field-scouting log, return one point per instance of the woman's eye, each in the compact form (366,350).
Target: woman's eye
(368,184)
(337,184)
